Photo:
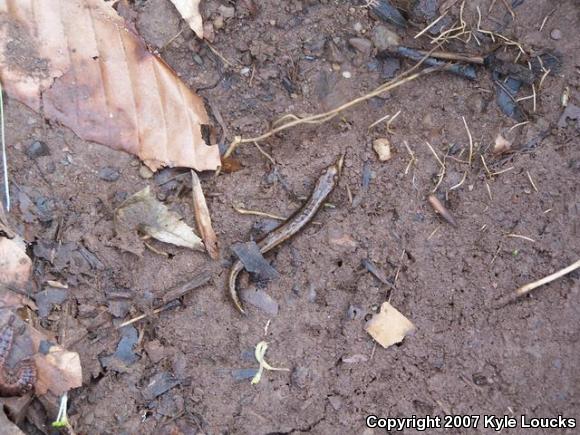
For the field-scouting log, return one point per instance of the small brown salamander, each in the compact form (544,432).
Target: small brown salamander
(25,377)
(324,186)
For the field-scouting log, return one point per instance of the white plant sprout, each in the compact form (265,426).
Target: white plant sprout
(259,353)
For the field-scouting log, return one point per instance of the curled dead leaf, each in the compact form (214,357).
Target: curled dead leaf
(88,71)
(145,213)
(15,265)
(58,371)
(189,11)
(389,326)
(203,218)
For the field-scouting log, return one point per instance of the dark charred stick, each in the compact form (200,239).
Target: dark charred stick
(466,71)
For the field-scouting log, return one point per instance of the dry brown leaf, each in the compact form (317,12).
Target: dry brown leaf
(57,371)
(145,213)
(77,61)
(189,11)
(15,265)
(7,427)
(389,326)
(203,218)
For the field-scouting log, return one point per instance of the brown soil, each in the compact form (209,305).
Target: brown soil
(466,357)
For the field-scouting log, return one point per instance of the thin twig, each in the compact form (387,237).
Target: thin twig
(524,290)
(170,298)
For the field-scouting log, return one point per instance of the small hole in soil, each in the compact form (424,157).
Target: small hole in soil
(339,263)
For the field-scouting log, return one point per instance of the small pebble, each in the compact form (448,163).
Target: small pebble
(357,27)
(145,172)
(227,11)
(383,38)
(299,377)
(346,74)
(245,71)
(556,34)
(218,22)
(109,173)
(243,374)
(197,59)
(37,149)
(362,45)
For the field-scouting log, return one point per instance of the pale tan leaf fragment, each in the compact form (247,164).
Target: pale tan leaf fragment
(203,218)
(501,145)
(143,212)
(382,147)
(96,76)
(15,265)
(58,371)
(389,326)
(189,11)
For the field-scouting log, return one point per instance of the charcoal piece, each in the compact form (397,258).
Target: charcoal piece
(254,262)
(159,384)
(506,91)
(385,10)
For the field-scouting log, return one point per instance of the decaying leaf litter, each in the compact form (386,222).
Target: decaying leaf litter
(461,155)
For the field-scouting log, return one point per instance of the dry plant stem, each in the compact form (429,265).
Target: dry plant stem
(4,157)
(447,55)
(532,181)
(545,20)
(524,290)
(390,121)
(241,210)
(431,25)
(519,236)
(265,154)
(200,278)
(218,54)
(509,8)
(378,121)
(323,117)
(470,141)
(441,174)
